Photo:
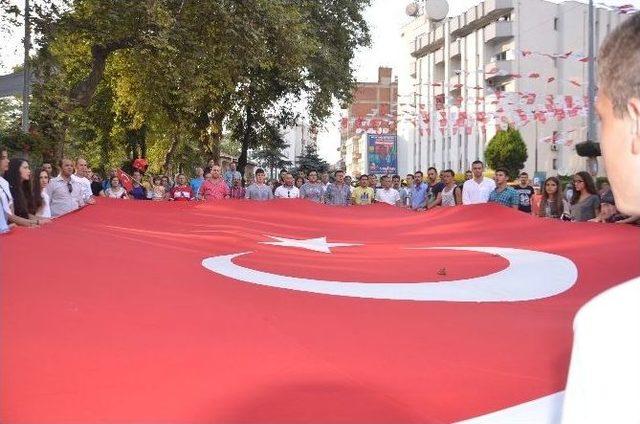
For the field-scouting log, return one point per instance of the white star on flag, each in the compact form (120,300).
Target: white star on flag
(316,244)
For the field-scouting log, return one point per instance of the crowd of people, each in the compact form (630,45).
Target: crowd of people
(34,198)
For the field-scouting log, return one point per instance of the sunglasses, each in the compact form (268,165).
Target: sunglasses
(69,187)
(577,181)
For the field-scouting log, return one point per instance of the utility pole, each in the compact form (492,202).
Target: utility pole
(591,148)
(591,132)
(27,73)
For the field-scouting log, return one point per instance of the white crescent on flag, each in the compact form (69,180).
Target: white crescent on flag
(530,275)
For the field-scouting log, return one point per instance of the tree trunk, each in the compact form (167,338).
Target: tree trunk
(175,140)
(83,92)
(246,140)
(143,141)
(215,137)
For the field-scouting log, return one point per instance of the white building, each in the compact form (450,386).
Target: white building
(497,45)
(298,138)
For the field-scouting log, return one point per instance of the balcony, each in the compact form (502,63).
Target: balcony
(454,49)
(455,23)
(500,69)
(439,56)
(455,83)
(498,31)
(493,9)
(428,43)
(480,16)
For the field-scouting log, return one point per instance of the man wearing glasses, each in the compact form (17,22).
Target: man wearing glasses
(64,192)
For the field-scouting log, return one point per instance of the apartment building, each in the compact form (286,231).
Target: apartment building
(299,137)
(476,62)
(374,109)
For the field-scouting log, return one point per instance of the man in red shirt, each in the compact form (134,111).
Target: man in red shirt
(182,191)
(214,187)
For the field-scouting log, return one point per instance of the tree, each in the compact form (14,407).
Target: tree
(507,150)
(311,161)
(270,155)
(171,79)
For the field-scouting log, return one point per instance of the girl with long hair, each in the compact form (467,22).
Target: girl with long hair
(585,203)
(41,198)
(553,203)
(19,178)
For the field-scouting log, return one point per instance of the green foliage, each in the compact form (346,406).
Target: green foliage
(507,150)
(10,113)
(180,81)
(27,145)
(270,154)
(311,161)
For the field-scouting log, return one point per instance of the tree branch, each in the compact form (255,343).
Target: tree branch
(83,92)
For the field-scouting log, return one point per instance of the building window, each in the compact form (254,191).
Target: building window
(500,88)
(555,164)
(556,23)
(505,18)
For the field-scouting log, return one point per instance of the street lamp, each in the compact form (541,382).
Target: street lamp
(590,148)
(27,76)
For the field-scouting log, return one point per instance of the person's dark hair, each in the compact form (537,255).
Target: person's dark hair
(339,171)
(619,65)
(524,174)
(23,202)
(418,172)
(475,162)
(589,185)
(468,171)
(396,176)
(261,171)
(37,188)
(432,168)
(504,171)
(556,203)
(363,176)
(450,171)
(602,182)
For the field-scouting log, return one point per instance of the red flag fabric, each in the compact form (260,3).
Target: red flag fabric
(125,179)
(140,164)
(290,311)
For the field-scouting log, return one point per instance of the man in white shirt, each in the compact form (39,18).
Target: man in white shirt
(477,189)
(287,190)
(604,377)
(324,178)
(65,193)
(81,177)
(387,194)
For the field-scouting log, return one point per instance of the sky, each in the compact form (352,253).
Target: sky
(385,19)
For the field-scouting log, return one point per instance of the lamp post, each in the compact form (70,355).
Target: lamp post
(27,77)
(590,148)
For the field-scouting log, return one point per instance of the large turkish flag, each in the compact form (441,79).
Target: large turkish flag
(289,311)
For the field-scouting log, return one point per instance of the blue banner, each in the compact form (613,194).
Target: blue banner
(382,154)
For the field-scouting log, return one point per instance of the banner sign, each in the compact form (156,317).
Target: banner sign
(382,154)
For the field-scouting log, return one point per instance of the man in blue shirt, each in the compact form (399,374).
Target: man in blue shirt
(503,194)
(196,182)
(231,174)
(419,192)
